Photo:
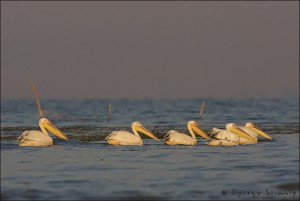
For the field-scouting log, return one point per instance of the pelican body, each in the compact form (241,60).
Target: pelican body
(253,131)
(127,138)
(174,137)
(229,137)
(38,138)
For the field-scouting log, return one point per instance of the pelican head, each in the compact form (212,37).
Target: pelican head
(46,124)
(195,127)
(260,132)
(137,126)
(235,129)
(215,130)
(249,124)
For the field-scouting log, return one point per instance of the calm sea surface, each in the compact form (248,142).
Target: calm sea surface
(86,167)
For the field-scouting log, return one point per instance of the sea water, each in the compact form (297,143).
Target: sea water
(86,167)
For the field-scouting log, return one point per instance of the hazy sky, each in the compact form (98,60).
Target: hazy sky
(150,49)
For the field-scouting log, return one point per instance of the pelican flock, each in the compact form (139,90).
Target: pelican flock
(38,138)
(233,135)
(127,138)
(174,137)
(229,137)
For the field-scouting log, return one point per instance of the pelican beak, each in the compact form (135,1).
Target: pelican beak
(142,129)
(53,129)
(241,133)
(198,130)
(261,132)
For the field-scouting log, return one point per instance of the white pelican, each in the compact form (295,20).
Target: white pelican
(230,136)
(174,137)
(253,131)
(38,138)
(127,138)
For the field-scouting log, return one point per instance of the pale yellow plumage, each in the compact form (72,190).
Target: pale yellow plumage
(229,137)
(253,131)
(175,138)
(223,138)
(35,138)
(38,138)
(127,138)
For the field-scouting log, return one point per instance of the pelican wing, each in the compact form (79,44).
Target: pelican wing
(174,137)
(226,135)
(123,138)
(35,138)
(23,136)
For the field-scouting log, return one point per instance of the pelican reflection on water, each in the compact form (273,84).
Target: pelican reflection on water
(127,138)
(38,138)
(174,137)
